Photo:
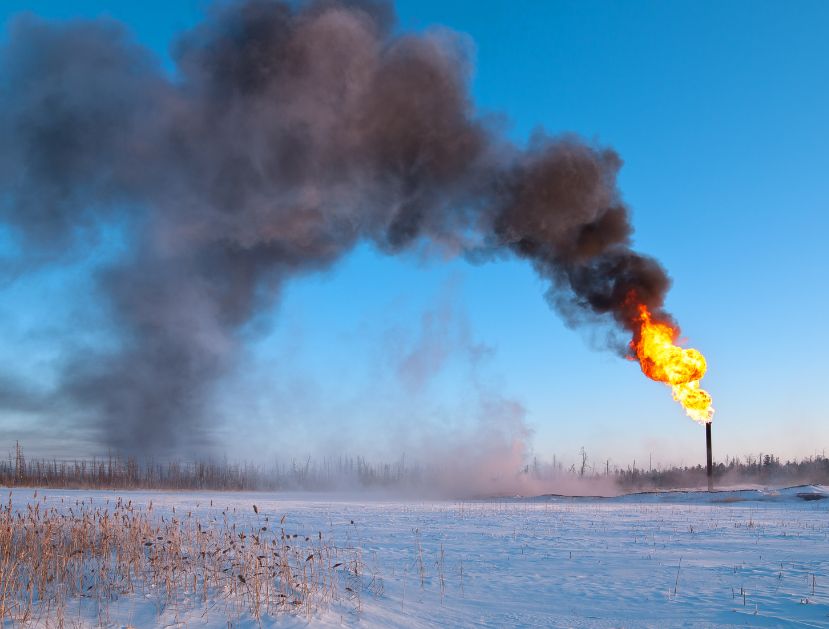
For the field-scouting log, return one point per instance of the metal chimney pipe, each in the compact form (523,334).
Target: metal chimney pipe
(709,468)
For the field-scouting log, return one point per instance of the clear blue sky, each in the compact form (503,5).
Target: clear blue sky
(719,111)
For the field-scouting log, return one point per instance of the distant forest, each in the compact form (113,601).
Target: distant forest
(356,473)
(765,469)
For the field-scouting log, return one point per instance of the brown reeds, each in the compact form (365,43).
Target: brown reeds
(53,558)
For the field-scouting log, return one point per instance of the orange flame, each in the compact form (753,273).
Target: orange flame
(681,369)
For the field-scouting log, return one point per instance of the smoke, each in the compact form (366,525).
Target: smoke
(482,447)
(478,447)
(285,135)
(428,413)
(444,331)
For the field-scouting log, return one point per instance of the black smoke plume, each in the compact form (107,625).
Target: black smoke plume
(285,135)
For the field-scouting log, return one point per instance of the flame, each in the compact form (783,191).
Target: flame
(681,369)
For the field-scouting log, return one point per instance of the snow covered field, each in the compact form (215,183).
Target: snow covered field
(742,558)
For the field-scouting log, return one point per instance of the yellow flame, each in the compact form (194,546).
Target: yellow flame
(664,361)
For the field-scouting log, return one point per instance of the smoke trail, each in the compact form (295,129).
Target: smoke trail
(286,135)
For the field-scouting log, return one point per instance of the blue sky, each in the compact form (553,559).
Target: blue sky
(719,112)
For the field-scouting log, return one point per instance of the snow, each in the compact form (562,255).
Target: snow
(736,558)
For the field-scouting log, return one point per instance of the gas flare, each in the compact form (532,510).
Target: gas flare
(661,359)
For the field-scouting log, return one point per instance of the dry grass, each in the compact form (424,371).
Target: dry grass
(54,556)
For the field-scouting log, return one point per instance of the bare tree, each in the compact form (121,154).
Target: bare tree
(583,454)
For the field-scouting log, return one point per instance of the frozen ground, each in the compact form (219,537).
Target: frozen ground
(741,558)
